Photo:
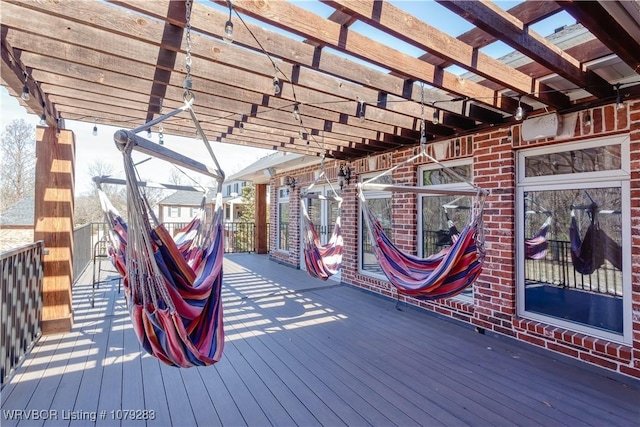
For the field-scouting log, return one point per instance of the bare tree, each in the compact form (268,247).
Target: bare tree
(17,164)
(87,205)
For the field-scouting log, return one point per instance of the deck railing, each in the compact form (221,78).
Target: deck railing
(22,276)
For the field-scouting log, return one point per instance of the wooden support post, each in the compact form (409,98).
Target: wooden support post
(261,218)
(55,165)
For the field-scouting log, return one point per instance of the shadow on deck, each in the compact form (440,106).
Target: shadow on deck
(300,351)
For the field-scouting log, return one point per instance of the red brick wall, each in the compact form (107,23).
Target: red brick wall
(494,293)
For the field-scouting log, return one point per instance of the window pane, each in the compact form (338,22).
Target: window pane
(573,267)
(436,212)
(449,175)
(283,225)
(594,159)
(381,207)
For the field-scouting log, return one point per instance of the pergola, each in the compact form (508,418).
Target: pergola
(123,62)
(308,84)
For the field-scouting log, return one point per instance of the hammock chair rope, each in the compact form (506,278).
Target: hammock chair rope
(173,292)
(322,261)
(441,275)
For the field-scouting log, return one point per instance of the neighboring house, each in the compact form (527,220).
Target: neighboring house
(17,224)
(181,206)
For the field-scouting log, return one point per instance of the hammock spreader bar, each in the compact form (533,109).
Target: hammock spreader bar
(420,190)
(149,184)
(128,138)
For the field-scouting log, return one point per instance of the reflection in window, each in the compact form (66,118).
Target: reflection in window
(574,161)
(283,219)
(573,255)
(380,204)
(443,216)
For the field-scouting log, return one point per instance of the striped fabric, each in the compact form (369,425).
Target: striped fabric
(174,293)
(536,247)
(442,275)
(322,261)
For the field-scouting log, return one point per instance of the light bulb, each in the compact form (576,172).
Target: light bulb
(161,138)
(228,32)
(276,85)
(300,134)
(587,120)
(95,130)
(296,113)
(436,118)
(619,104)
(241,127)
(43,120)
(361,113)
(519,115)
(25,93)
(149,133)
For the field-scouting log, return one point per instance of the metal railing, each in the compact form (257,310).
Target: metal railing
(556,268)
(22,277)
(83,239)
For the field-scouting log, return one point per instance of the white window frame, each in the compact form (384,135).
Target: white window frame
(283,197)
(600,179)
(369,195)
(452,186)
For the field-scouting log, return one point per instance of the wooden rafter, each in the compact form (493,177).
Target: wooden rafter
(393,20)
(609,29)
(515,33)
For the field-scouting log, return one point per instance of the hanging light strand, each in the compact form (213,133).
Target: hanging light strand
(25,88)
(228,27)
(423,126)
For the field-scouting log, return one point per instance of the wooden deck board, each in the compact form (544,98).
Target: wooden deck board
(508,373)
(300,351)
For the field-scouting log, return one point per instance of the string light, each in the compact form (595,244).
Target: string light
(296,112)
(361,111)
(94,132)
(25,89)
(587,119)
(149,133)
(241,127)
(436,114)
(228,27)
(276,86)
(43,117)
(519,115)
(619,104)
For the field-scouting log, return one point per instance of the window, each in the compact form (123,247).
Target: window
(380,203)
(441,215)
(174,211)
(283,219)
(573,251)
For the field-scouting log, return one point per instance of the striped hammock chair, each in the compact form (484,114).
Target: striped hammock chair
(322,261)
(442,275)
(589,253)
(536,246)
(173,287)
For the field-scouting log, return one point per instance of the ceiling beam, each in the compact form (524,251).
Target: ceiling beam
(516,34)
(296,20)
(393,20)
(609,29)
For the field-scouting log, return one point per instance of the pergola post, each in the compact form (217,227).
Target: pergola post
(261,218)
(55,166)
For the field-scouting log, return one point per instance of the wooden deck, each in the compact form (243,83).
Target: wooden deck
(300,351)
